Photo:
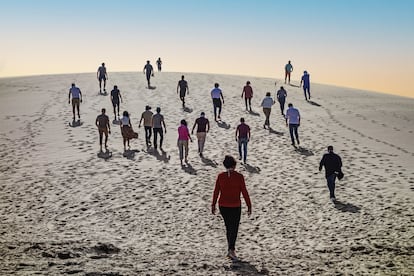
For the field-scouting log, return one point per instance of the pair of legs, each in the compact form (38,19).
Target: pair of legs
(282,105)
(249,102)
(306,89)
(75,105)
(293,130)
(287,76)
(148,133)
(331,185)
(148,80)
(115,104)
(126,141)
(217,105)
(243,145)
(231,217)
(201,138)
(103,131)
(159,68)
(100,83)
(156,132)
(267,111)
(182,97)
(183,149)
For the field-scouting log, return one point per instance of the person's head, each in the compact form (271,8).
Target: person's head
(184,122)
(103,110)
(290,105)
(73,84)
(305,72)
(103,63)
(330,149)
(248,83)
(125,114)
(229,162)
(148,62)
(281,88)
(289,61)
(216,85)
(158,109)
(202,114)
(242,120)
(267,94)
(115,87)
(182,77)
(147,107)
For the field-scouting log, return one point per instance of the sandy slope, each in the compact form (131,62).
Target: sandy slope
(64,210)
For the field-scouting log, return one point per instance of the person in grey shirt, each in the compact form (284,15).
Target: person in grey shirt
(157,125)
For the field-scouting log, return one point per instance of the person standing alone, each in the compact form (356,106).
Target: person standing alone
(293,120)
(76,94)
(217,96)
(333,164)
(149,72)
(248,95)
(242,137)
(288,71)
(115,99)
(306,84)
(102,75)
(183,87)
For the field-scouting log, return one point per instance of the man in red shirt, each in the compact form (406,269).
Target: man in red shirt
(242,137)
(248,95)
(229,185)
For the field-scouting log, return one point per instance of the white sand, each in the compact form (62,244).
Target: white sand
(64,210)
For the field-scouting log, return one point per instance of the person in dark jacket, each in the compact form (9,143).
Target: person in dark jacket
(332,163)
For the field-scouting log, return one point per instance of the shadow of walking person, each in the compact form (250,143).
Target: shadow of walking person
(246,268)
(346,207)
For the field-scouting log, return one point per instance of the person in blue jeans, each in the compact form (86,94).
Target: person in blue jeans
(242,137)
(306,84)
(293,120)
(333,164)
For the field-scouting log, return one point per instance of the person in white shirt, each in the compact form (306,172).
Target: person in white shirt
(216,94)
(293,121)
(126,129)
(76,94)
(267,108)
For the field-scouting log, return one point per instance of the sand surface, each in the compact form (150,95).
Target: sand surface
(65,209)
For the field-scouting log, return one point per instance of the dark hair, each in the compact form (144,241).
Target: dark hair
(267,93)
(184,122)
(103,110)
(248,82)
(158,109)
(216,85)
(290,104)
(330,148)
(115,86)
(125,114)
(182,77)
(282,88)
(229,162)
(242,120)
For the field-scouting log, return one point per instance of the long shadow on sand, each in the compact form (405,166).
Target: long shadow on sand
(223,125)
(303,151)
(187,109)
(74,123)
(105,155)
(272,131)
(189,169)
(347,207)
(251,169)
(314,103)
(253,113)
(246,268)
(209,162)
(130,154)
(163,156)
(294,85)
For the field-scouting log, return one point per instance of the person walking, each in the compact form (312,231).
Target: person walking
(248,95)
(217,96)
(182,142)
(242,137)
(102,122)
(229,185)
(288,70)
(149,72)
(293,120)
(333,169)
(115,99)
(281,98)
(159,63)
(126,129)
(157,124)
(182,86)
(203,126)
(146,116)
(76,94)
(102,75)
(306,84)
(267,103)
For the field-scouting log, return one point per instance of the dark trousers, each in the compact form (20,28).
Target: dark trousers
(249,102)
(282,105)
(148,133)
(306,89)
(243,144)
(331,185)
(293,130)
(231,217)
(156,132)
(216,104)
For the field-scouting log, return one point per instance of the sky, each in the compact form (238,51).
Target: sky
(364,44)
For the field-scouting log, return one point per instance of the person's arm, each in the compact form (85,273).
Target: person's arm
(248,135)
(178,85)
(340,162)
(188,132)
(106,74)
(163,123)
(322,163)
(69,96)
(299,118)
(142,117)
(108,125)
(208,126)
(242,93)
(80,94)
(120,96)
(237,131)
(143,71)
(300,85)
(192,130)
(287,117)
(188,89)
(221,95)
(215,196)
(97,74)
(96,122)
(246,196)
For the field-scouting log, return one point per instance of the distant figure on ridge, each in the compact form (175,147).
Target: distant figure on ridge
(157,124)
(115,99)
(217,96)
(102,122)
(293,120)
(267,103)
(182,86)
(229,185)
(126,129)
(147,117)
(182,142)
(333,164)
(203,126)
(248,95)
(149,72)
(242,137)
(76,94)
(306,84)
(281,98)
(159,63)
(102,75)
(288,70)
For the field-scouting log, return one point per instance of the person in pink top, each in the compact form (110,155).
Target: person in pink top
(182,143)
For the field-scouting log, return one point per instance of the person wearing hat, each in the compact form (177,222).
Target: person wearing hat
(115,99)
(102,75)
(333,168)
(147,117)
(76,94)
(306,84)
(229,185)
(248,95)
(203,126)
(157,124)
(182,88)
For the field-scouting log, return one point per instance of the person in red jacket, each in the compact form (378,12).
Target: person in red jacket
(229,185)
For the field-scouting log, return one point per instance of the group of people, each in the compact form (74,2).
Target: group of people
(305,81)
(229,184)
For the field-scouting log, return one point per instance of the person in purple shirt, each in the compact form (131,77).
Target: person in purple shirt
(293,120)
(242,137)
(306,84)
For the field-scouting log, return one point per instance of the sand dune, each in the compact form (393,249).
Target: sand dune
(66,209)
